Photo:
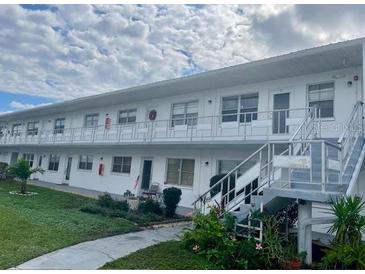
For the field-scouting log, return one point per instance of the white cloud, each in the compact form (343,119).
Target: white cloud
(21,106)
(78,50)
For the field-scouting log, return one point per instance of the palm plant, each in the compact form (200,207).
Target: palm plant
(23,171)
(349,223)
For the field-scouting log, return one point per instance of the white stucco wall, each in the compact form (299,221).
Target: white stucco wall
(210,101)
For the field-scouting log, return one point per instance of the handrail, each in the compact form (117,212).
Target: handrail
(311,141)
(348,122)
(230,173)
(166,128)
(308,115)
(245,196)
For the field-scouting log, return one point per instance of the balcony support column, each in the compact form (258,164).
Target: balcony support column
(305,229)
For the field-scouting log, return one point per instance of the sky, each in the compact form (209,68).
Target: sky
(51,53)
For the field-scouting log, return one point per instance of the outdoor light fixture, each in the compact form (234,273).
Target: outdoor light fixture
(206,163)
(349,83)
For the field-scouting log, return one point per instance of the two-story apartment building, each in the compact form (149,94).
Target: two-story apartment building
(181,132)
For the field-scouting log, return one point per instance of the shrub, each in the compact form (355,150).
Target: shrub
(347,251)
(214,238)
(23,171)
(171,198)
(150,206)
(344,256)
(349,221)
(106,201)
(144,219)
(272,242)
(104,211)
(121,205)
(3,170)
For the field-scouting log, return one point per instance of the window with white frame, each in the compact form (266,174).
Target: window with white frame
(59,126)
(32,128)
(91,120)
(16,130)
(322,97)
(241,107)
(54,162)
(29,157)
(127,116)
(180,172)
(86,162)
(184,114)
(122,164)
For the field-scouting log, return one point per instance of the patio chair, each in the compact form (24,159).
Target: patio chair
(153,191)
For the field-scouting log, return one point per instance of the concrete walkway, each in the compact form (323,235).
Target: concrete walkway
(94,254)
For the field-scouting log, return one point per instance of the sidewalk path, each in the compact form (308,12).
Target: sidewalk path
(94,254)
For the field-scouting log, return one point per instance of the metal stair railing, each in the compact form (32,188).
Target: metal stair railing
(353,130)
(264,156)
(227,179)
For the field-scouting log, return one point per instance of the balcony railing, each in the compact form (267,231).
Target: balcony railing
(265,125)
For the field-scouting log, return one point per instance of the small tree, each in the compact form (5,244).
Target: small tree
(23,171)
(171,198)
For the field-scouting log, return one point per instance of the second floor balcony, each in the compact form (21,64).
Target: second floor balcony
(244,127)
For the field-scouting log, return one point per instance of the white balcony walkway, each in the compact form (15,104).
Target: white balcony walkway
(261,126)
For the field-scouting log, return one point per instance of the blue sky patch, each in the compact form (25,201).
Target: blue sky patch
(6,98)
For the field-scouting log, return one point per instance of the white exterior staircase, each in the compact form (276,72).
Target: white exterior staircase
(306,167)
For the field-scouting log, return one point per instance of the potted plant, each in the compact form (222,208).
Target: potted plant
(292,264)
(132,200)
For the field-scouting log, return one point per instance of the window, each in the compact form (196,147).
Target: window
(180,172)
(29,158)
(54,162)
(184,114)
(122,164)
(322,96)
(225,166)
(16,130)
(40,159)
(2,131)
(32,128)
(244,106)
(59,126)
(86,162)
(91,120)
(127,116)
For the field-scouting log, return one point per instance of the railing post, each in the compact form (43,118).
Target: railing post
(341,168)
(323,166)
(320,123)
(268,163)
(362,119)
(93,135)
(289,173)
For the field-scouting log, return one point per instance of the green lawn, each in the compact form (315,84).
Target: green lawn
(32,226)
(167,255)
